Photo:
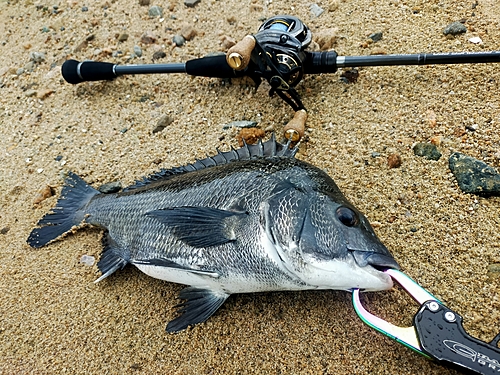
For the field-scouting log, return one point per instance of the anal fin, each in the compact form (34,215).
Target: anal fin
(199,305)
(112,257)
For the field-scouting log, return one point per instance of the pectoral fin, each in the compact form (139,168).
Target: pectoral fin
(199,305)
(200,226)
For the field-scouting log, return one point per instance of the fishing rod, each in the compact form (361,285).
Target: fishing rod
(276,53)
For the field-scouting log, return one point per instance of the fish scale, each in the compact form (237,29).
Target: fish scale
(248,220)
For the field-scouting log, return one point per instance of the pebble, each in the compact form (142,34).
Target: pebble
(138,51)
(326,38)
(455,28)
(240,124)
(19,71)
(375,37)
(87,260)
(4,230)
(427,150)
(474,176)
(37,57)
(316,10)
(85,9)
(394,161)
(191,3)
(123,37)
(144,2)
(148,38)
(493,271)
(30,66)
(188,32)
(110,187)
(178,40)
(155,11)
(162,123)
(476,40)
(43,194)
(159,55)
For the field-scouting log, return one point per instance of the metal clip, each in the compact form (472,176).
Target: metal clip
(437,332)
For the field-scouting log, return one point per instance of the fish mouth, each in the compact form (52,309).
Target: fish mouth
(379,261)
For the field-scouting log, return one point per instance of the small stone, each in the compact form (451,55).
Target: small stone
(227,42)
(87,260)
(250,136)
(30,66)
(493,271)
(30,93)
(85,9)
(378,51)
(178,40)
(148,38)
(19,71)
(427,150)
(188,32)
(123,37)
(110,187)
(474,176)
(163,122)
(37,57)
(4,230)
(144,2)
(191,3)
(240,124)
(138,51)
(350,75)
(43,194)
(375,154)
(155,11)
(45,29)
(436,140)
(326,38)
(159,55)
(42,94)
(455,28)
(316,10)
(375,37)
(476,40)
(394,161)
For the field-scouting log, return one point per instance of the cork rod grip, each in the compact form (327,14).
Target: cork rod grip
(238,56)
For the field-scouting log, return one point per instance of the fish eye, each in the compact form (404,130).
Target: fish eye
(347,216)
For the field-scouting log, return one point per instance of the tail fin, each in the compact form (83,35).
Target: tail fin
(75,194)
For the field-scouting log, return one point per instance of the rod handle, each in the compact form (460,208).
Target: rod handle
(211,66)
(74,71)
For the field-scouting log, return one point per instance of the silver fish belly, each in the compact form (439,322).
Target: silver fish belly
(248,220)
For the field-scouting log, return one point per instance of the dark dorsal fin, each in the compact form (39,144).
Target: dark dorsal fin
(266,149)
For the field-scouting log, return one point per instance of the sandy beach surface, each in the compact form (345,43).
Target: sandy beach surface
(55,320)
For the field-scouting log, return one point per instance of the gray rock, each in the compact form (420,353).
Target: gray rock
(88,260)
(178,40)
(37,57)
(30,66)
(240,124)
(455,28)
(155,11)
(19,71)
(191,3)
(110,187)
(138,51)
(163,122)
(474,176)
(427,150)
(316,10)
(375,37)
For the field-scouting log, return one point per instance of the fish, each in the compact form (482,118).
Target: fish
(252,219)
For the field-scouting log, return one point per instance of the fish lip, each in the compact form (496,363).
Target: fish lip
(377,260)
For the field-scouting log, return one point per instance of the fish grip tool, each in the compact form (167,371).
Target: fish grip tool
(277,53)
(437,332)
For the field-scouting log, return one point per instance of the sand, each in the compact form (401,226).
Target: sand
(56,320)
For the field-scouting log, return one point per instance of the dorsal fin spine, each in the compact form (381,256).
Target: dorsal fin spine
(270,148)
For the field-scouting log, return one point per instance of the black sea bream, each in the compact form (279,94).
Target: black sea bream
(248,220)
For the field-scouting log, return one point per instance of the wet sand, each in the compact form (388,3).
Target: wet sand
(56,320)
